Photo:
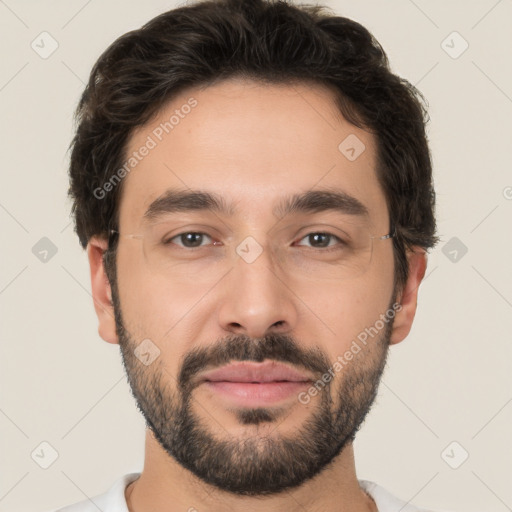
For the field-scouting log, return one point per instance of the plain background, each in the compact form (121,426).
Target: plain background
(450,380)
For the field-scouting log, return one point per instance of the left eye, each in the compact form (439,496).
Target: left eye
(321,240)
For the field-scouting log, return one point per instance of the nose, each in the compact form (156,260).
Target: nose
(256,300)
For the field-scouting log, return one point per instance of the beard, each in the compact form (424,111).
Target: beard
(254,465)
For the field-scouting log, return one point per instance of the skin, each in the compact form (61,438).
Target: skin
(252,160)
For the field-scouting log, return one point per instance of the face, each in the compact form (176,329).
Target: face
(253,281)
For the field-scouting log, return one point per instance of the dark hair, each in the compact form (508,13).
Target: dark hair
(268,41)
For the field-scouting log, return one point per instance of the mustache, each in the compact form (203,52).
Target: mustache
(274,346)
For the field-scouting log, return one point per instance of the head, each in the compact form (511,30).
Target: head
(217,149)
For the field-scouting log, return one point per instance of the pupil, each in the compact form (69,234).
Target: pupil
(315,237)
(194,239)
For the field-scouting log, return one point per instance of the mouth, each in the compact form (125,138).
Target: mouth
(256,384)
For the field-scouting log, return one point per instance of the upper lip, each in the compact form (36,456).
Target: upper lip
(270,371)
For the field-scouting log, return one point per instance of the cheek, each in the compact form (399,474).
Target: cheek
(338,313)
(151,305)
(340,316)
(372,297)
(160,312)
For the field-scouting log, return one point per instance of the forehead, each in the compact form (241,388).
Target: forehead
(251,144)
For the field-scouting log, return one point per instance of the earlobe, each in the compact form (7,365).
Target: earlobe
(408,298)
(101,290)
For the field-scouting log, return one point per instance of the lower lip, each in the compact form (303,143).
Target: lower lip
(253,394)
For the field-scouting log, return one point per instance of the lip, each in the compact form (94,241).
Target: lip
(250,372)
(249,384)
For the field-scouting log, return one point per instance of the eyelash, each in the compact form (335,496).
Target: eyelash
(323,249)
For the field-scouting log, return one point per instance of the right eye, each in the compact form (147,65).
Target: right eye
(189,240)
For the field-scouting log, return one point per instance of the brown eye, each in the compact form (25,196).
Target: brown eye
(189,239)
(320,240)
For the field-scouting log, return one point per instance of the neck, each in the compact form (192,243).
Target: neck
(165,486)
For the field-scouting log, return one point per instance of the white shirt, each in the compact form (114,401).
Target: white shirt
(114,500)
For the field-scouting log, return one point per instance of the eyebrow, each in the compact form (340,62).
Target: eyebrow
(312,201)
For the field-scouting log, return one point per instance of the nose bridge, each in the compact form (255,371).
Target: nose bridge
(256,299)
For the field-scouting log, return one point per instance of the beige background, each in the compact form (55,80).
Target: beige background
(449,381)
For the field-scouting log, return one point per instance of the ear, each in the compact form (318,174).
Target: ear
(408,297)
(101,290)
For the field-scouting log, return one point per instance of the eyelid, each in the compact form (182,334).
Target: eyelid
(333,229)
(327,229)
(193,228)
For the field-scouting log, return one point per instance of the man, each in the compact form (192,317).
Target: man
(254,189)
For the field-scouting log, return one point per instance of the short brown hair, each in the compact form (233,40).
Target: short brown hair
(272,41)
